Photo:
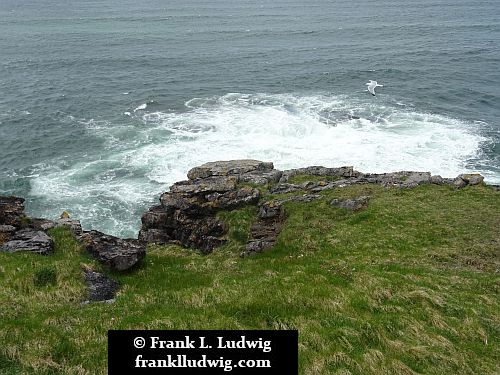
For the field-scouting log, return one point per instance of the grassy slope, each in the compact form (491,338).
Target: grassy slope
(409,285)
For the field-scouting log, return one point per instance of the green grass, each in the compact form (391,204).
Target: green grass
(408,286)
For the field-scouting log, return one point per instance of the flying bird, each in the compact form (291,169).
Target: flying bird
(371,86)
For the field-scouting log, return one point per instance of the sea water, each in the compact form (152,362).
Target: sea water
(105,103)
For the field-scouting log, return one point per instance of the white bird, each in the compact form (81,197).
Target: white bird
(371,86)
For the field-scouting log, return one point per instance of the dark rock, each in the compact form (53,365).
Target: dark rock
(12,211)
(119,254)
(187,214)
(156,236)
(46,224)
(7,228)
(271,209)
(99,286)
(351,204)
(29,240)
(42,224)
(233,199)
(257,246)
(203,233)
(264,232)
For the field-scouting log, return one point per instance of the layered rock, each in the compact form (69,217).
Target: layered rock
(29,240)
(19,232)
(187,213)
(270,220)
(12,211)
(116,253)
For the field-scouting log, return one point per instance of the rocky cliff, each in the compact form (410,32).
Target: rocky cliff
(187,213)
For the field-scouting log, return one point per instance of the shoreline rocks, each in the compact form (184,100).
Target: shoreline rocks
(19,232)
(187,214)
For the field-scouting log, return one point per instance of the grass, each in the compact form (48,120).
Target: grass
(408,286)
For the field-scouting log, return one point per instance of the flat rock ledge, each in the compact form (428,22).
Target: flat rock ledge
(187,213)
(18,232)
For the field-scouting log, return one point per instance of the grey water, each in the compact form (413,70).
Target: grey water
(104,104)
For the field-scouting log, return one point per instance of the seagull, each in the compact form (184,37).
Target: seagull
(371,86)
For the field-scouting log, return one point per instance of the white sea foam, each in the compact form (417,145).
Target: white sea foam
(141,107)
(109,191)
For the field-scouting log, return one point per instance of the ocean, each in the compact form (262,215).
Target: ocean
(104,104)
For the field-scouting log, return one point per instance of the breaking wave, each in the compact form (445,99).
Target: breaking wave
(150,150)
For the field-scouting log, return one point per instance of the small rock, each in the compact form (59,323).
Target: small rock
(351,204)
(64,215)
(100,287)
(257,246)
(42,224)
(437,180)
(271,209)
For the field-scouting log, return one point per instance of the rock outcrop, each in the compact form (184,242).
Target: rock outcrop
(187,213)
(19,232)
(187,216)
